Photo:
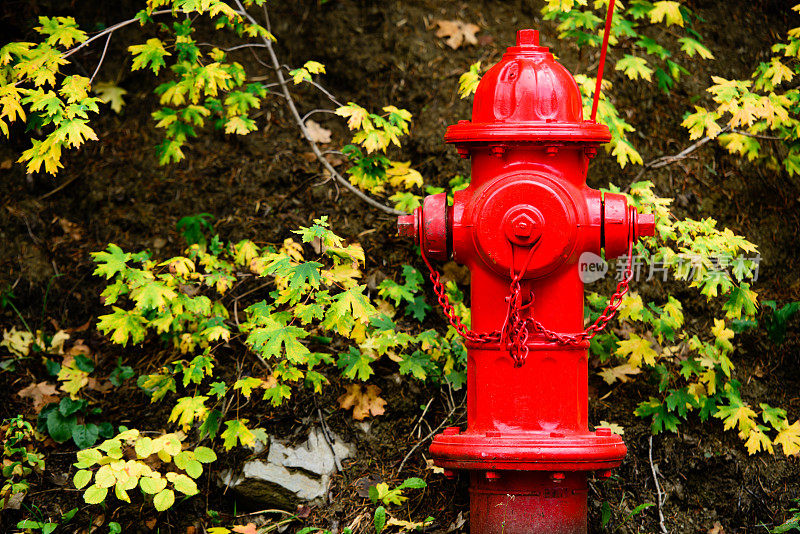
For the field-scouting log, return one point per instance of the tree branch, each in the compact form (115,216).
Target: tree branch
(663,161)
(304,131)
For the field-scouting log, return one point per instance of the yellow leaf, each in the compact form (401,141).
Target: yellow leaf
(757,441)
(638,350)
(789,438)
(723,335)
(620,372)
(668,11)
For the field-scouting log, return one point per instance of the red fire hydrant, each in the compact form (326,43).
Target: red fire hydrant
(520,227)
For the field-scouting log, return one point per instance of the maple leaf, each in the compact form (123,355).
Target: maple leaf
(692,47)
(112,94)
(112,262)
(124,325)
(402,174)
(737,414)
(240,125)
(236,431)
(638,350)
(757,440)
(620,372)
(668,11)
(723,335)
(789,438)
(468,82)
(457,32)
(355,363)
(357,117)
(702,121)
(153,295)
(151,54)
(247,385)
(613,427)
(634,67)
(187,409)
(41,394)
(364,401)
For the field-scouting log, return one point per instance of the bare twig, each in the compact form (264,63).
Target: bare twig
(102,58)
(659,493)
(313,111)
(663,161)
(426,438)
(303,130)
(110,29)
(422,416)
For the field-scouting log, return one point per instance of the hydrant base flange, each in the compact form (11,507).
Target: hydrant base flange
(529,451)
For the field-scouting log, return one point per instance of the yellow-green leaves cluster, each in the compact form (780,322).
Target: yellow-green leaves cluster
(158,467)
(373,171)
(752,111)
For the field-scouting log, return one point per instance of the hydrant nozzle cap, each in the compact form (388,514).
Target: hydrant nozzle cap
(527,38)
(407,225)
(646,225)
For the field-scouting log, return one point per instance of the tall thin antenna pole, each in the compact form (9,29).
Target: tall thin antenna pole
(599,84)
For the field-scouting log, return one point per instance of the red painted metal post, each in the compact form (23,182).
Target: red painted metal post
(520,227)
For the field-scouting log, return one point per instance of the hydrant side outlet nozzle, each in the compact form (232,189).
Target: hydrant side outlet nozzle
(520,227)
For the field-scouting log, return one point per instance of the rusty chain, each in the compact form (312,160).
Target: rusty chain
(516,327)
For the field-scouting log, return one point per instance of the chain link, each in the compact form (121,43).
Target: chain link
(517,327)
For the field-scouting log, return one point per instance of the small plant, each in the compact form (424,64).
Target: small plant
(61,422)
(20,459)
(776,322)
(45,526)
(381,492)
(793,523)
(158,467)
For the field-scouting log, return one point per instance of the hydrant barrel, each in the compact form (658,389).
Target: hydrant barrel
(520,227)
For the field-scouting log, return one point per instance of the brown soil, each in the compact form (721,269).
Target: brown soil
(261,187)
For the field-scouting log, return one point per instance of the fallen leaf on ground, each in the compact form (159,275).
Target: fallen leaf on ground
(613,427)
(249,528)
(457,32)
(717,528)
(363,401)
(621,372)
(318,133)
(18,342)
(42,394)
(433,467)
(364,483)
(71,229)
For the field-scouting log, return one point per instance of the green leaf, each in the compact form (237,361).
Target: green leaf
(380,519)
(413,483)
(111,262)
(153,295)
(182,483)
(151,54)
(123,325)
(236,431)
(355,364)
(416,364)
(692,47)
(210,426)
(164,499)
(152,485)
(82,478)
(60,427)
(95,494)
(272,341)
(634,67)
(85,435)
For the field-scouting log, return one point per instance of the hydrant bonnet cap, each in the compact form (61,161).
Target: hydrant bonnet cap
(528,96)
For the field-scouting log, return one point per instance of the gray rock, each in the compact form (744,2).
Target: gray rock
(290,475)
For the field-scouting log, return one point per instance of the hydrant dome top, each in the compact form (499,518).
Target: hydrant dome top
(528,96)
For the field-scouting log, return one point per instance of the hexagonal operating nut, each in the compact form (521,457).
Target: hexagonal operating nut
(523,227)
